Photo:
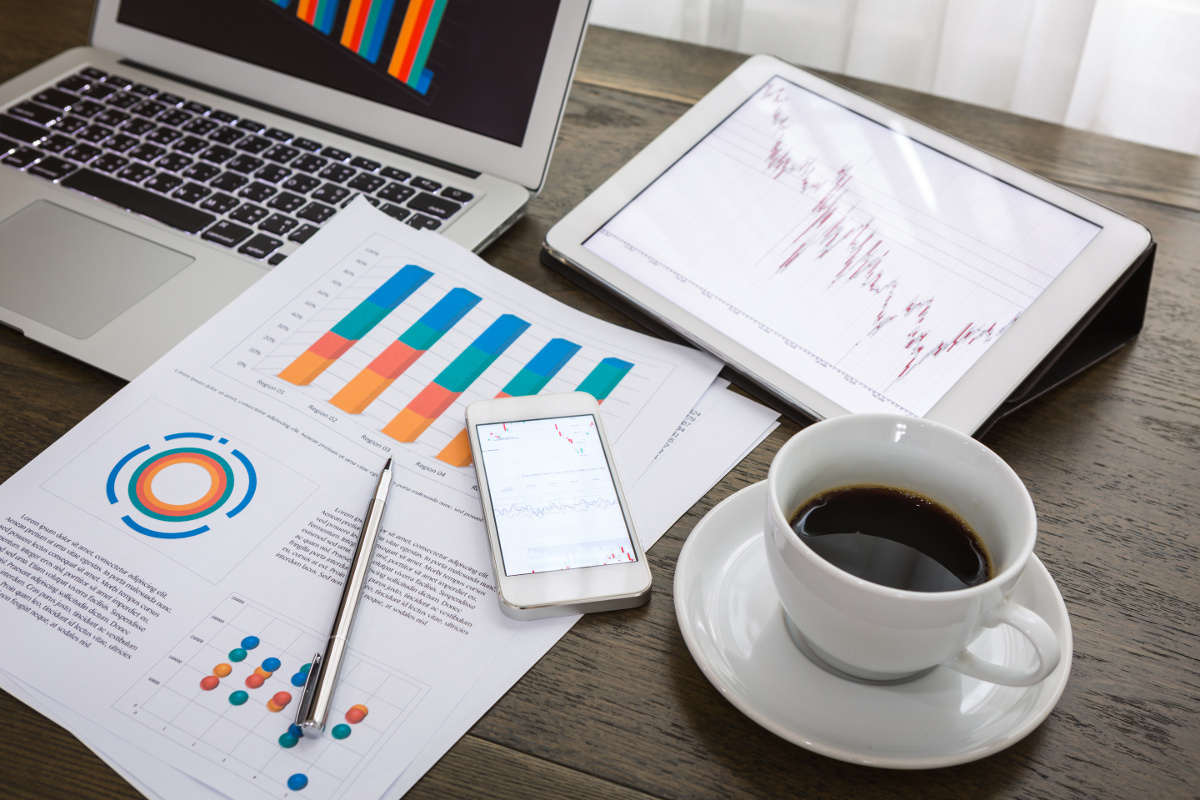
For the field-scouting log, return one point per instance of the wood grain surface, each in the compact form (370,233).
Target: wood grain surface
(618,709)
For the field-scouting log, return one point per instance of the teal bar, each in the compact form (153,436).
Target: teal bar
(486,348)
(605,377)
(383,301)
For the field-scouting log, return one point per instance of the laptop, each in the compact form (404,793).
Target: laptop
(146,180)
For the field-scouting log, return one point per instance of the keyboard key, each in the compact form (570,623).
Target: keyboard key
(71,125)
(457,195)
(86,108)
(253,144)
(331,193)
(164,136)
(245,164)
(394,211)
(109,163)
(366,183)
(303,233)
(7,145)
(168,99)
(174,162)
(196,108)
(391,173)
(191,192)
(277,135)
(301,183)
(223,116)
(396,193)
(135,173)
(316,212)
(365,163)
(21,130)
(99,91)
(334,153)
(123,100)
(424,223)
(56,98)
(74,83)
(277,259)
(309,163)
(375,201)
(227,233)
(337,173)
(137,127)
(22,157)
(260,246)
(52,168)
(190,145)
(281,153)
(143,90)
(118,81)
(230,182)
(249,213)
(278,224)
(287,202)
(120,142)
(258,192)
(201,126)
(220,203)
(94,133)
(251,126)
(272,173)
(226,135)
(202,172)
(175,117)
(164,182)
(57,143)
(306,144)
(42,115)
(434,205)
(217,154)
(425,184)
(138,200)
(148,108)
(146,151)
(93,74)
(82,152)
(111,117)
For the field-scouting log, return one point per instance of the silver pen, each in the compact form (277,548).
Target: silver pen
(323,674)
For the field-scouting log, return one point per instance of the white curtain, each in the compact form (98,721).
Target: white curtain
(1125,68)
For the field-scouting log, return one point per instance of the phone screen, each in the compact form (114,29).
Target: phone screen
(552,495)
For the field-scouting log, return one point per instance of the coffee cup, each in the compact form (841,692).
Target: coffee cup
(872,632)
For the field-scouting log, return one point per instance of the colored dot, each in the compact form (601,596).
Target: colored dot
(250,642)
(238,698)
(262,673)
(274,707)
(356,714)
(282,698)
(299,679)
(341,731)
(209,682)
(222,670)
(254,681)
(297,781)
(288,740)
(237,654)
(271,664)
(294,730)
(306,668)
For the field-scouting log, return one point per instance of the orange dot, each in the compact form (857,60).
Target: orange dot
(221,670)
(209,682)
(262,673)
(356,714)
(273,706)
(254,681)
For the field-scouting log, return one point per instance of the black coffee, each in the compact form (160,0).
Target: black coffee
(893,537)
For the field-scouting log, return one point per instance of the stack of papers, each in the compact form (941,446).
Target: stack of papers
(173,563)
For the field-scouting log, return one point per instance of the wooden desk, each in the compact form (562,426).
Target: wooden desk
(618,709)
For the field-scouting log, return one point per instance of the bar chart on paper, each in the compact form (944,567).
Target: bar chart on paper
(389,347)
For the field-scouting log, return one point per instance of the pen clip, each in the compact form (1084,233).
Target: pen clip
(304,718)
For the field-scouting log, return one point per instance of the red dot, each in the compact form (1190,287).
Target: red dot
(356,714)
(209,682)
(282,699)
(254,681)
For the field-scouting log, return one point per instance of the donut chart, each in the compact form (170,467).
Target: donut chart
(175,483)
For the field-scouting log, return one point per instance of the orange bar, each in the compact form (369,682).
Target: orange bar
(356,20)
(305,369)
(458,452)
(307,10)
(407,426)
(406,47)
(360,392)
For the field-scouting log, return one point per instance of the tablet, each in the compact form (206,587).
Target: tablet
(844,257)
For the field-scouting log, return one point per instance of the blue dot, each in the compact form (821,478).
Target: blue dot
(250,642)
(294,730)
(299,679)
(271,664)
(297,781)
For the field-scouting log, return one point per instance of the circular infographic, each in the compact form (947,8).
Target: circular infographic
(178,487)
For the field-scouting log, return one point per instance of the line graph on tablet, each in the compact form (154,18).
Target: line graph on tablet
(872,267)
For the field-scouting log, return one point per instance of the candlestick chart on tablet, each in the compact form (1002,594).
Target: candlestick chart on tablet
(872,267)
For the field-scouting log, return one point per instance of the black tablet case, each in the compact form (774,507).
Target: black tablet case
(1110,324)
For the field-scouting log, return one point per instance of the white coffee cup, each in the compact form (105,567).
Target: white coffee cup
(871,632)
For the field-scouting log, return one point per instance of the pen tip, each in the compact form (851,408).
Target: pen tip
(388,464)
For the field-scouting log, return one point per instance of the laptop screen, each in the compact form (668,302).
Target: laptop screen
(473,64)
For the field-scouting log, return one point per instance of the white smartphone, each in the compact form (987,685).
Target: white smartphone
(562,538)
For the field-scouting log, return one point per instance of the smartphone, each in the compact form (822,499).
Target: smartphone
(561,534)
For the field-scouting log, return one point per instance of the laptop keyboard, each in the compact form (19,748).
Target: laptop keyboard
(230,180)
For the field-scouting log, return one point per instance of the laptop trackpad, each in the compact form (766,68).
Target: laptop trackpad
(74,274)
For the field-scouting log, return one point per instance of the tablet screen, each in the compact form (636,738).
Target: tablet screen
(865,264)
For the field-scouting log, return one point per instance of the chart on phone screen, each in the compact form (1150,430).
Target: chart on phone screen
(870,266)
(552,495)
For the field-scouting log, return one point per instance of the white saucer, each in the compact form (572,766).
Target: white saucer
(734,625)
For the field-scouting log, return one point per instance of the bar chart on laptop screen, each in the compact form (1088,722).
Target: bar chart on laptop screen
(389,347)
(872,267)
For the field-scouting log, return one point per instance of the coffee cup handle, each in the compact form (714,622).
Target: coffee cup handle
(1029,625)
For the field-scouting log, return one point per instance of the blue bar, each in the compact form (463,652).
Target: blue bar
(500,334)
(551,358)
